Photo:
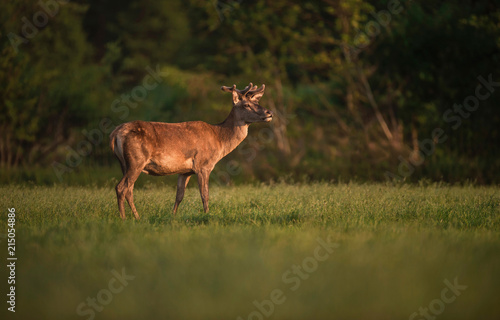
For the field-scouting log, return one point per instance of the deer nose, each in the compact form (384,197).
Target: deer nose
(268,116)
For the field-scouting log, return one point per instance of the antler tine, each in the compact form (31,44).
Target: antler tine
(250,89)
(244,91)
(228,89)
(255,90)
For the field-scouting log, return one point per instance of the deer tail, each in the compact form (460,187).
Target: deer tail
(116,144)
(112,140)
(113,136)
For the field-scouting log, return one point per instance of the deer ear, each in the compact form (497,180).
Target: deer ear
(256,97)
(236,97)
(258,93)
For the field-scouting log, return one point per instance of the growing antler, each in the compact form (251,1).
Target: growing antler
(255,90)
(249,90)
(241,92)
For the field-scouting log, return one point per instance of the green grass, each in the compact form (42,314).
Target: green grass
(396,246)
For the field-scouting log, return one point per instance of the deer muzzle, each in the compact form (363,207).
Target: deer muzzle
(268,116)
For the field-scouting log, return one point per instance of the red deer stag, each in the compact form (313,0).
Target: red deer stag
(185,148)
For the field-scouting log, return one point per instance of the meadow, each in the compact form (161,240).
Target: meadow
(268,251)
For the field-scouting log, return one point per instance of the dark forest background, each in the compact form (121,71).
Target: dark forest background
(362,90)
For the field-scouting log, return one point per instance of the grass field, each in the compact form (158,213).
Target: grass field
(317,251)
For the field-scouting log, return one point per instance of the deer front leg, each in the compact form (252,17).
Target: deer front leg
(203,177)
(182,182)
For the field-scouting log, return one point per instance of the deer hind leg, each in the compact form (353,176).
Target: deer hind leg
(182,182)
(129,195)
(124,168)
(131,167)
(121,191)
(203,177)
(120,195)
(121,186)
(125,190)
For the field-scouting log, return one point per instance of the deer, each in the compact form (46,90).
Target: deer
(185,148)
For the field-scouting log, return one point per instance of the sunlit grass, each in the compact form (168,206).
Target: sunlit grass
(396,246)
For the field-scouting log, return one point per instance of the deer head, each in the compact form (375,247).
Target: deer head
(246,104)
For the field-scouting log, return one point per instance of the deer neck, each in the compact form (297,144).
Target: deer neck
(232,132)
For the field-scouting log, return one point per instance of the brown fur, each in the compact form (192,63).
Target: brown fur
(186,148)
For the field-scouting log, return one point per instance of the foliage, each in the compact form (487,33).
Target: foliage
(357,86)
(48,87)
